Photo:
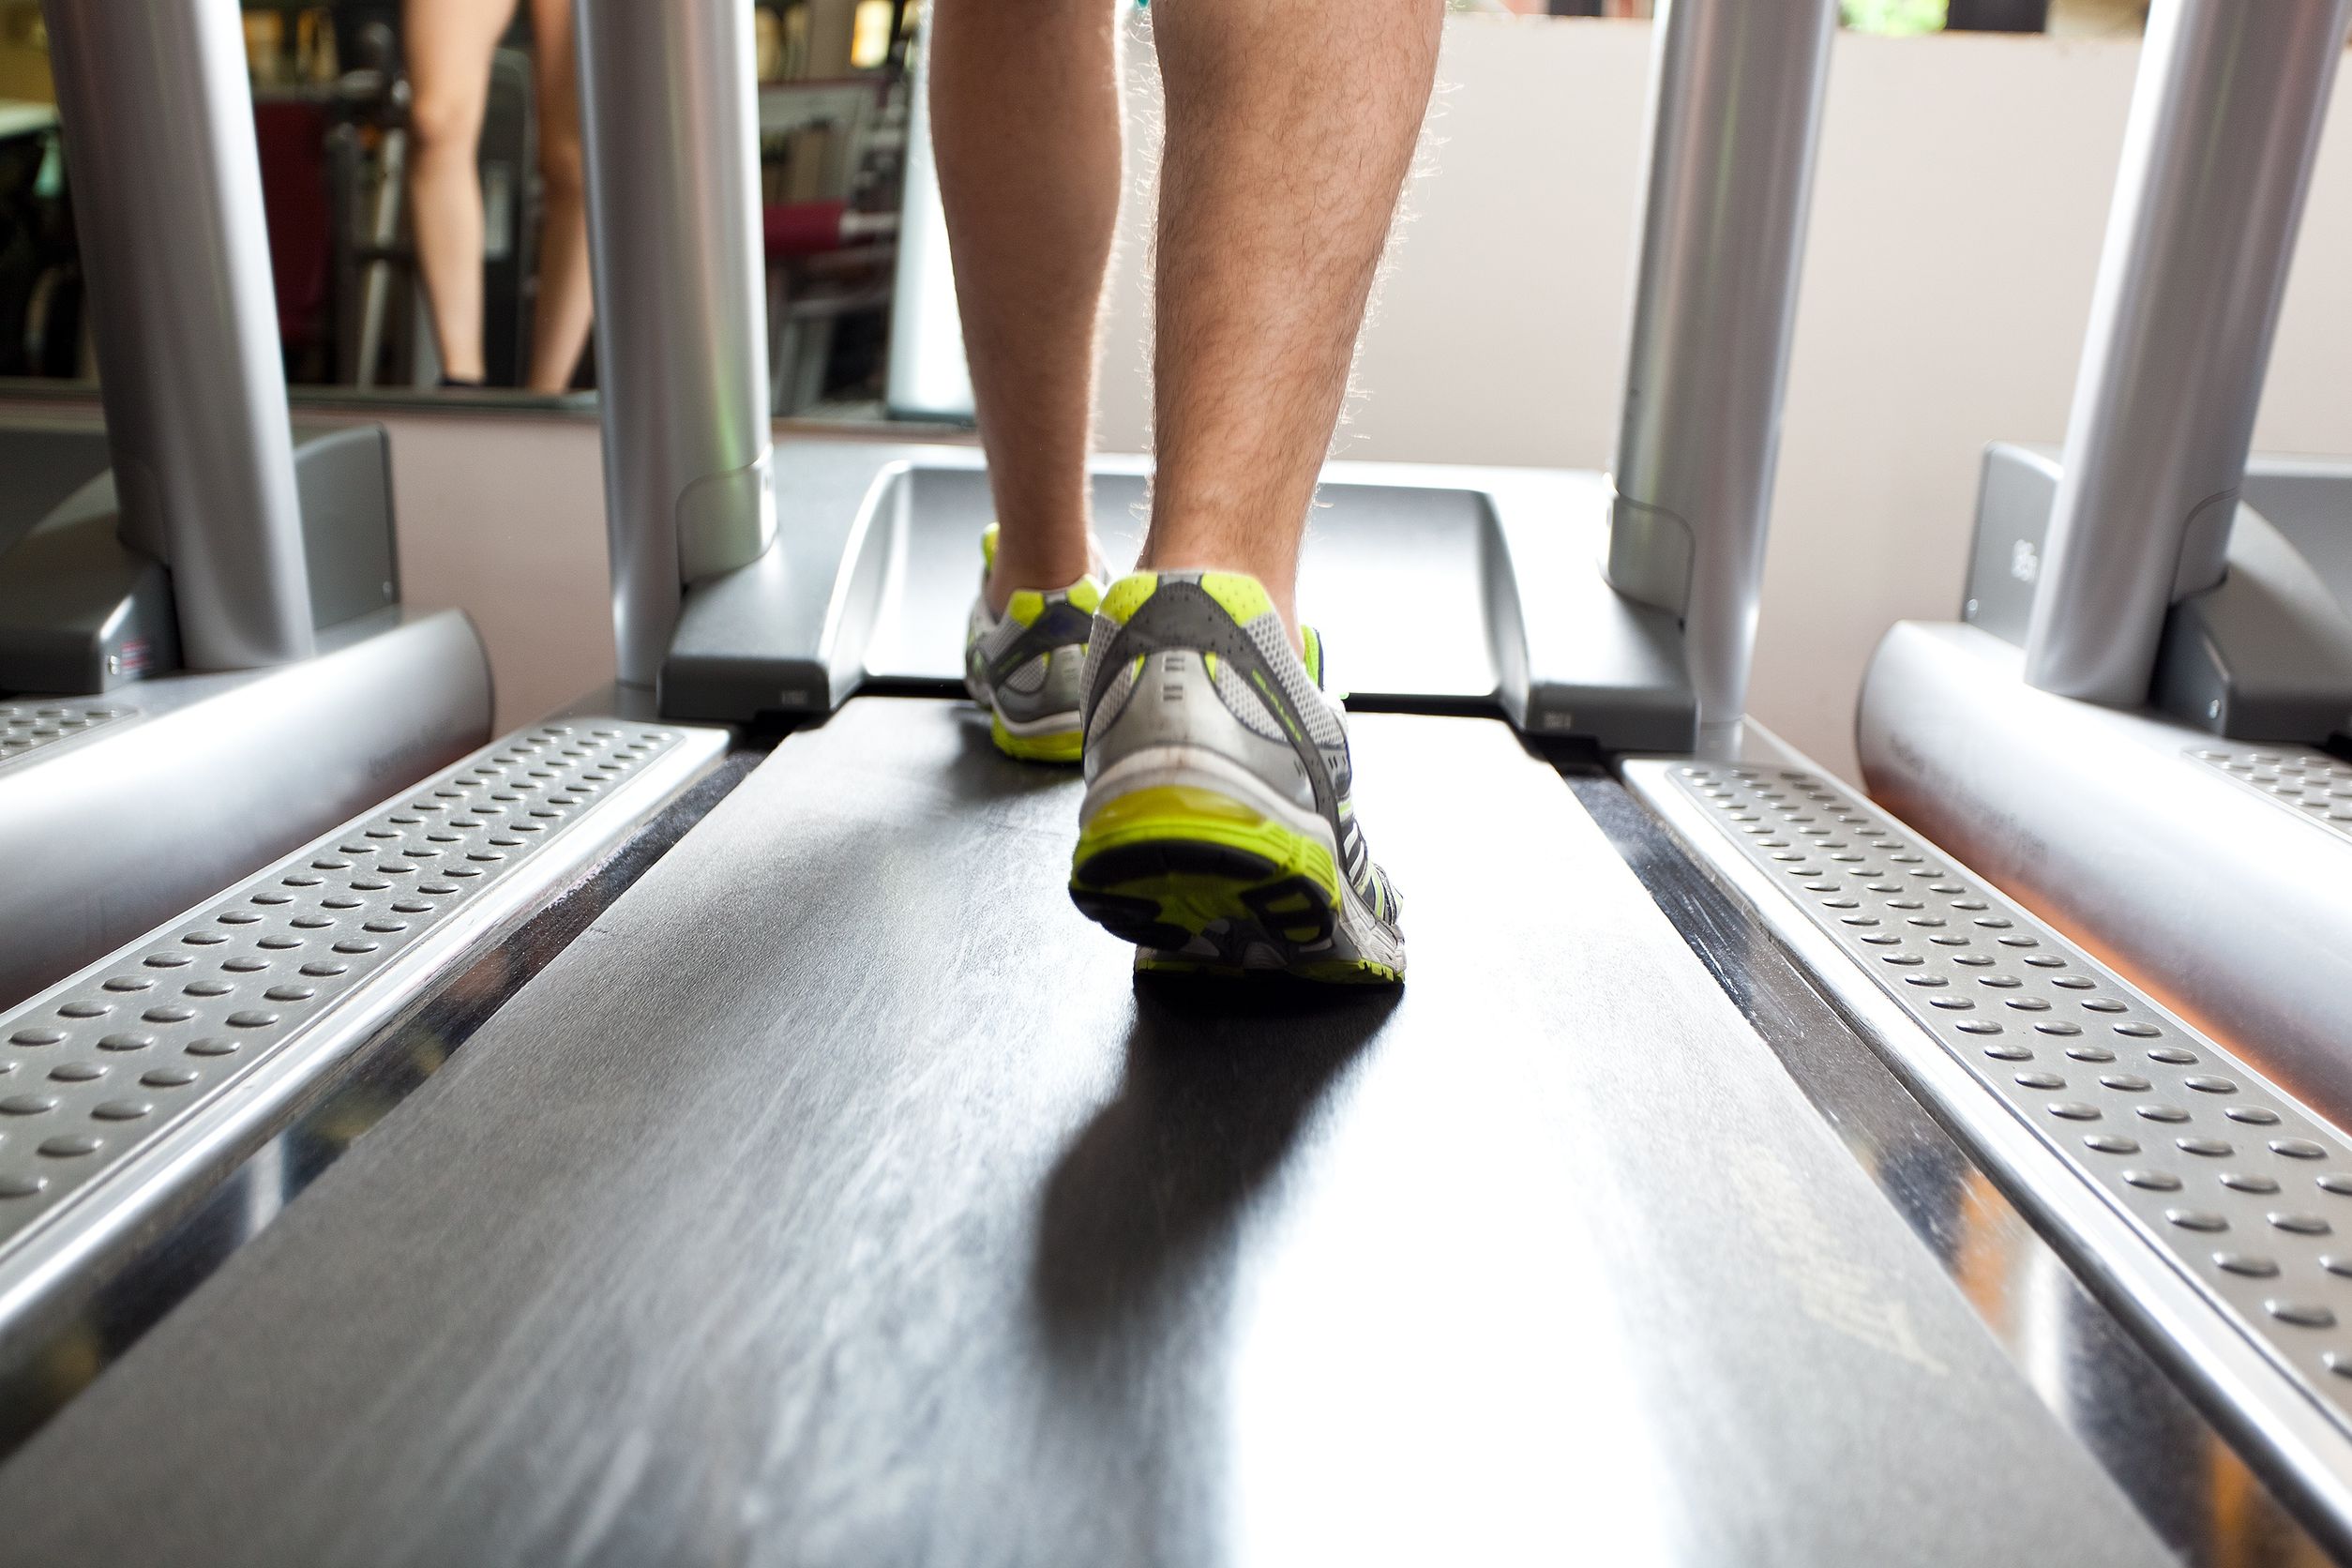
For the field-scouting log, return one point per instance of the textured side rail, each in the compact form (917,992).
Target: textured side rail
(2215,1208)
(132,1089)
(2310,784)
(26,728)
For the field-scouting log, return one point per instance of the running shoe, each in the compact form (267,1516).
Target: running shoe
(1024,666)
(1218,833)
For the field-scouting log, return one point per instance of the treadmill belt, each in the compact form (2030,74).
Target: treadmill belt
(839,1198)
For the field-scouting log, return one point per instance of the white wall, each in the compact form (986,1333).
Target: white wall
(1959,202)
(504,518)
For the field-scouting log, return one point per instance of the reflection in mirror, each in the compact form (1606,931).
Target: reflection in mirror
(421,175)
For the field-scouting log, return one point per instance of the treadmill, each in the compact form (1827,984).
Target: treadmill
(203,657)
(1738,1178)
(2141,725)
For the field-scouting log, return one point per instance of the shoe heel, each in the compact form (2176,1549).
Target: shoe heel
(1163,866)
(1053,745)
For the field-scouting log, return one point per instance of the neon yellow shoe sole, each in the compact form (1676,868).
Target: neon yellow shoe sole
(1166,865)
(1054,746)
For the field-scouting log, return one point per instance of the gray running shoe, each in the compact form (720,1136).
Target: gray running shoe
(1024,666)
(1218,833)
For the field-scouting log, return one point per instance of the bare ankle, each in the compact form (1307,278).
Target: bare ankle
(1044,571)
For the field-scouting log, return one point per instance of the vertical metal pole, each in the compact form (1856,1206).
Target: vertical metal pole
(669,112)
(1735,105)
(2217,157)
(167,202)
(929,374)
(384,232)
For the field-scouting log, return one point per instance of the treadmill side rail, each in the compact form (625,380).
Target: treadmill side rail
(2196,1196)
(205,778)
(27,728)
(2114,827)
(133,1091)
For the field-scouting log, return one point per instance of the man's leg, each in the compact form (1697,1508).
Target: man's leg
(1290,130)
(1025,119)
(1218,832)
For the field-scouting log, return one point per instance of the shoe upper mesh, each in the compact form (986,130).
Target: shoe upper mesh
(1247,704)
(1105,632)
(1115,695)
(1000,639)
(1273,646)
(1030,678)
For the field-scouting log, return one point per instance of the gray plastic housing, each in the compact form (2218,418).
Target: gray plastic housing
(1469,588)
(87,609)
(2263,655)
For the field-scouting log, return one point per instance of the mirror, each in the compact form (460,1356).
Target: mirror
(421,176)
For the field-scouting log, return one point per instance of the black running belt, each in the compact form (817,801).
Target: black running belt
(838,1198)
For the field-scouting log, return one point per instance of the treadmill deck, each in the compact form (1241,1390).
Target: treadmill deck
(839,1198)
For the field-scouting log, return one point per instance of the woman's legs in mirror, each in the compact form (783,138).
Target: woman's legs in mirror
(559,327)
(448,44)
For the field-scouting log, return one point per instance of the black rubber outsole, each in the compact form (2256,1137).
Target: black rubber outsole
(1172,857)
(1130,919)
(1291,914)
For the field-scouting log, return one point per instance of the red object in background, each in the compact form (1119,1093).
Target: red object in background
(792,228)
(292,138)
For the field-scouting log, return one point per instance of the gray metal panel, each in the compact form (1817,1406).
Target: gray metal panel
(2266,654)
(42,462)
(344,481)
(167,198)
(2013,527)
(2225,122)
(217,775)
(2207,1196)
(1499,569)
(839,1198)
(2231,910)
(667,108)
(1734,108)
(2310,501)
(81,613)
(131,1092)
